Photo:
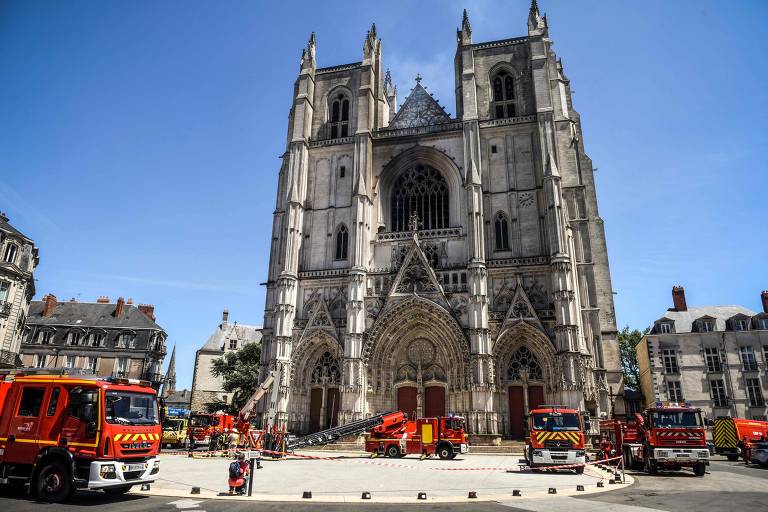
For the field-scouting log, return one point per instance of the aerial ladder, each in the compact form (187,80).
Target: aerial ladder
(272,382)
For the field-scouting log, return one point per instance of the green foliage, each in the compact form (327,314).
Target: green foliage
(628,340)
(240,371)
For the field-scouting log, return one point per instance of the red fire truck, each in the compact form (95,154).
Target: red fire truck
(204,426)
(727,433)
(556,437)
(397,436)
(61,432)
(668,436)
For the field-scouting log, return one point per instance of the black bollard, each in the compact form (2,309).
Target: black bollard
(579,487)
(421,496)
(552,490)
(366,496)
(516,492)
(307,495)
(472,495)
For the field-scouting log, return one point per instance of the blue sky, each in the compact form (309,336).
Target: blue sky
(139,140)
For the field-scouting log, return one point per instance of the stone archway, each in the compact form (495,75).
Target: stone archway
(526,375)
(316,379)
(416,347)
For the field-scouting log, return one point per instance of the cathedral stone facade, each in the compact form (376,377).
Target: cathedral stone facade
(439,265)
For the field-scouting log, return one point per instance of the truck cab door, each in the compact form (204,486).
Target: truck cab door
(80,417)
(23,427)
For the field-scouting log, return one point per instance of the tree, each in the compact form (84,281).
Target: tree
(240,371)
(628,340)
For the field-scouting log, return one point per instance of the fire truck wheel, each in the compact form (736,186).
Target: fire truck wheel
(393,451)
(53,482)
(580,470)
(453,455)
(651,467)
(444,451)
(733,458)
(116,491)
(699,469)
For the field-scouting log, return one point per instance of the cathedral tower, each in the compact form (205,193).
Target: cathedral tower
(434,264)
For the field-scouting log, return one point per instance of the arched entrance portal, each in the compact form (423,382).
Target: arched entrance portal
(524,367)
(417,359)
(324,393)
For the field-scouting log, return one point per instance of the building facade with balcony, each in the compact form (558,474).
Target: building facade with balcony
(714,357)
(18,259)
(109,339)
(435,263)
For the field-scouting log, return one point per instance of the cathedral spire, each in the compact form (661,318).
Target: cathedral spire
(371,43)
(464,36)
(537,24)
(169,382)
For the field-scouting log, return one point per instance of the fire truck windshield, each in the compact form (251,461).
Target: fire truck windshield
(454,423)
(675,419)
(556,422)
(129,408)
(200,421)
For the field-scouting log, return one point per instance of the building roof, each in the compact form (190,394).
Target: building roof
(90,314)
(181,396)
(226,331)
(419,109)
(7,228)
(683,320)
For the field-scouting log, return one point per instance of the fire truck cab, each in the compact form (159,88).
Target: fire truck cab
(669,436)
(556,437)
(60,432)
(204,426)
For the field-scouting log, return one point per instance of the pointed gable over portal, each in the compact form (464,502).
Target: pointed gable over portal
(521,310)
(419,109)
(416,277)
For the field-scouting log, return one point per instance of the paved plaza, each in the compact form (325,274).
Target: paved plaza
(343,477)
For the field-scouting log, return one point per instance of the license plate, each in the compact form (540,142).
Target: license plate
(134,467)
(682,455)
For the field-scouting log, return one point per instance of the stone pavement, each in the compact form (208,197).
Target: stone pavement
(390,480)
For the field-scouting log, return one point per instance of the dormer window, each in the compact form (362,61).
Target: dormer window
(763,323)
(665,327)
(504,102)
(339,117)
(10,253)
(45,337)
(739,324)
(232,344)
(706,325)
(75,338)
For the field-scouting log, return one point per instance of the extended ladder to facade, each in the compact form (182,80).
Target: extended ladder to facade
(333,434)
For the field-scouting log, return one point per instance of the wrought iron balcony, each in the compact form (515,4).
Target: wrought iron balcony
(5,308)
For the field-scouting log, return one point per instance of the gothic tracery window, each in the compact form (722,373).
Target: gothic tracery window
(502,232)
(339,118)
(342,242)
(420,190)
(326,370)
(523,359)
(504,102)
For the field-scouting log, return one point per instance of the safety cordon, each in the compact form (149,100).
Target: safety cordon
(395,465)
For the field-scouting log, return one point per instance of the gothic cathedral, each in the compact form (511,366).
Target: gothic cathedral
(439,265)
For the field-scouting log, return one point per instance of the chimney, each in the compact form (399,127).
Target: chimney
(225,316)
(149,310)
(50,304)
(119,307)
(678,298)
(103,299)
(129,301)
(764,298)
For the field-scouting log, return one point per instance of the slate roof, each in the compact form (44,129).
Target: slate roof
(683,320)
(226,331)
(90,314)
(178,397)
(7,228)
(419,109)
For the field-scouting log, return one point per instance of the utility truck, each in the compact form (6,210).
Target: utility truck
(397,436)
(60,431)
